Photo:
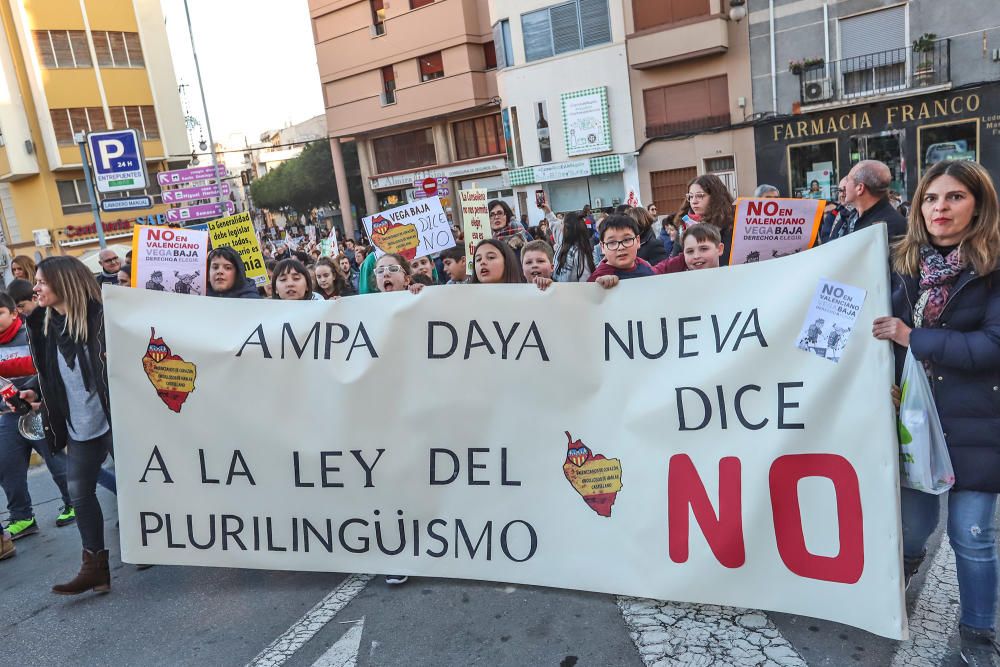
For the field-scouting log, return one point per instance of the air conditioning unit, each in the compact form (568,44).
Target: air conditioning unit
(814,92)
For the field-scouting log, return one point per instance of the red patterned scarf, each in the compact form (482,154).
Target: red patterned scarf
(938,275)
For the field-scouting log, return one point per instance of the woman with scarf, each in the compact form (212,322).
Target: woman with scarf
(66,332)
(946,311)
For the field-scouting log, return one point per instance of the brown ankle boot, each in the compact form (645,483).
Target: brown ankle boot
(7,548)
(94,575)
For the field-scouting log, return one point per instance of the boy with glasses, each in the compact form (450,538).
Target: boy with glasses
(620,244)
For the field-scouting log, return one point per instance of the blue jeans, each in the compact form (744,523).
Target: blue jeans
(973,538)
(15,453)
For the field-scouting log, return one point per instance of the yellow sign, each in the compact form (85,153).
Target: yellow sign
(237,232)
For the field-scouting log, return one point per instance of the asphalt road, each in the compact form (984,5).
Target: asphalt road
(208,616)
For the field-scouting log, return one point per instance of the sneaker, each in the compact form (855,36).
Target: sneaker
(396,579)
(67,515)
(7,548)
(978,648)
(22,528)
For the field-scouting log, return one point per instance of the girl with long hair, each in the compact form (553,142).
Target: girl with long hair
(946,312)
(574,253)
(23,267)
(330,282)
(495,263)
(67,340)
(708,200)
(291,282)
(227,276)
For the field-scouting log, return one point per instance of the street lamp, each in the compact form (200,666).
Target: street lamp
(737,10)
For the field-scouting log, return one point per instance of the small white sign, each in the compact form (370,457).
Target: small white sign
(832,315)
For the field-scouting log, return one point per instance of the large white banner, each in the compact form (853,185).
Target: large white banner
(667,438)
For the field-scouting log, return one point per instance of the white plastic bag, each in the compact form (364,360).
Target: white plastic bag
(924,462)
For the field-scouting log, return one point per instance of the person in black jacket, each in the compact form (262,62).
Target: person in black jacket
(946,310)
(227,276)
(650,247)
(66,332)
(867,190)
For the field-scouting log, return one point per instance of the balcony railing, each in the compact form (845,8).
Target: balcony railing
(682,127)
(877,74)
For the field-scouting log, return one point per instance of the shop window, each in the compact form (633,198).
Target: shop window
(73,196)
(490,55)
(653,13)
(812,170)
(414,4)
(399,152)
(388,85)
(687,106)
(887,148)
(378,17)
(948,142)
(670,187)
(568,27)
(118,49)
(68,122)
(504,50)
(138,118)
(478,137)
(431,66)
(62,48)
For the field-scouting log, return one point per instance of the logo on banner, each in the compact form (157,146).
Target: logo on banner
(172,377)
(392,237)
(594,477)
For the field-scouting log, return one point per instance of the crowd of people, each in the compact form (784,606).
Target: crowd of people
(944,262)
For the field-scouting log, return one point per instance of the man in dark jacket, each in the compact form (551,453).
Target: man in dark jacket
(867,190)
(110,264)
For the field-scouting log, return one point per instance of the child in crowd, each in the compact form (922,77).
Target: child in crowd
(536,261)
(23,295)
(394,274)
(424,266)
(291,282)
(495,263)
(330,283)
(620,244)
(455,265)
(702,248)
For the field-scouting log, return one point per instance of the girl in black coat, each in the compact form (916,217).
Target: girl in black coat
(946,310)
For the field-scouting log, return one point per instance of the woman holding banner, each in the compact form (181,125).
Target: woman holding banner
(66,332)
(946,311)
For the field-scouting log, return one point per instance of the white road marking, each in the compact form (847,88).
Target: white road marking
(675,634)
(345,652)
(285,646)
(935,617)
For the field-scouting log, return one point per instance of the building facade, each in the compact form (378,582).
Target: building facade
(908,83)
(567,109)
(692,96)
(70,67)
(413,83)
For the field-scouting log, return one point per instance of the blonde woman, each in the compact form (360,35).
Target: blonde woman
(22,267)
(67,341)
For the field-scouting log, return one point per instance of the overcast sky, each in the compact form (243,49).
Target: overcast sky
(258,64)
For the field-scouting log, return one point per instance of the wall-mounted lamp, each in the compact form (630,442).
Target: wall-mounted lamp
(737,10)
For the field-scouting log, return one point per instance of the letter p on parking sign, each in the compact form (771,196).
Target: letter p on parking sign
(117,160)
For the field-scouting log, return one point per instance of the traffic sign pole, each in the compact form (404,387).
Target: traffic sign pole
(204,102)
(81,139)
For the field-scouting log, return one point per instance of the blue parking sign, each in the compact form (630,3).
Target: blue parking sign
(117,160)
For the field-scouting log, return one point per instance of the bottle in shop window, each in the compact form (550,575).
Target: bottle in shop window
(544,141)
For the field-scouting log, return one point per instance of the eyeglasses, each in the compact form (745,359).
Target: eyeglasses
(110,260)
(615,245)
(696,196)
(391,268)
(497,214)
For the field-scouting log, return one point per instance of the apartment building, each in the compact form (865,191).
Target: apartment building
(72,66)
(908,83)
(567,108)
(692,96)
(413,83)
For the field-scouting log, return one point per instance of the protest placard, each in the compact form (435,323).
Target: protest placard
(165,259)
(766,229)
(237,232)
(475,221)
(412,230)
(698,456)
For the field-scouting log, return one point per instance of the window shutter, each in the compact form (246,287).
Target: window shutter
(858,34)
(595,22)
(565,28)
(537,35)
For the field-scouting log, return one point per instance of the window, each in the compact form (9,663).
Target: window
(653,13)
(725,169)
(687,106)
(409,150)
(73,196)
(502,44)
(479,137)
(67,122)
(490,55)
(951,141)
(808,163)
(62,48)
(388,85)
(118,49)
(136,118)
(378,17)
(414,4)
(670,187)
(865,71)
(431,66)
(568,27)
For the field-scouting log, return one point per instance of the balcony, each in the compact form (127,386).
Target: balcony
(683,127)
(886,73)
(685,41)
